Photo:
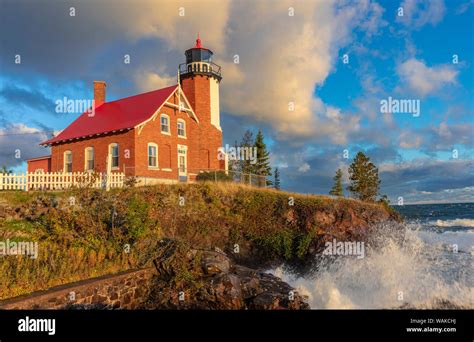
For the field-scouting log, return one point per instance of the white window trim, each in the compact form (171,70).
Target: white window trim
(110,152)
(64,160)
(157,167)
(169,124)
(184,124)
(85,159)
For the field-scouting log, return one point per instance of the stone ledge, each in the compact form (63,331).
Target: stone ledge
(125,290)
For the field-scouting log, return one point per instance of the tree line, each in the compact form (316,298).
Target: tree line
(363,174)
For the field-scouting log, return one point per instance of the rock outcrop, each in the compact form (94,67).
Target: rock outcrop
(203,279)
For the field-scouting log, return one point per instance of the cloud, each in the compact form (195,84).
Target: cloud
(408,139)
(424,80)
(418,13)
(26,97)
(150,81)
(464,7)
(426,175)
(304,168)
(20,138)
(283,58)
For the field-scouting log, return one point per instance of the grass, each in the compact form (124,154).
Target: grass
(109,232)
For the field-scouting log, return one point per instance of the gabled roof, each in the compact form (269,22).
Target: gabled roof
(117,115)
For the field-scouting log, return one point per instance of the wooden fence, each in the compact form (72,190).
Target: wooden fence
(60,180)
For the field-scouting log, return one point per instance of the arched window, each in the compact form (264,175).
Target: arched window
(152,155)
(190,68)
(181,128)
(114,152)
(67,161)
(89,159)
(204,67)
(165,124)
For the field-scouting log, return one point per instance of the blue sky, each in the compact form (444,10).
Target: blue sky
(283,58)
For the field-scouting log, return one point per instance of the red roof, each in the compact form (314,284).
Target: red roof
(115,116)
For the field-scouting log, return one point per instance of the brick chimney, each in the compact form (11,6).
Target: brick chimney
(99,92)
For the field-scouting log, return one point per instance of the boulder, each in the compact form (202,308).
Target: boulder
(206,279)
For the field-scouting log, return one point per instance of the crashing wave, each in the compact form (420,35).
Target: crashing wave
(393,274)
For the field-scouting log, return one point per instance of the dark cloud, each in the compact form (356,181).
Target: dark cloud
(30,98)
(427,176)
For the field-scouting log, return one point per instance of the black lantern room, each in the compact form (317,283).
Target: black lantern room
(199,62)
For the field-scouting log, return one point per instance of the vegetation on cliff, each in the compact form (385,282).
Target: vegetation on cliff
(84,233)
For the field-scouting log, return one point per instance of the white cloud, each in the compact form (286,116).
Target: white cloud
(424,80)
(409,140)
(417,13)
(304,168)
(282,58)
(23,139)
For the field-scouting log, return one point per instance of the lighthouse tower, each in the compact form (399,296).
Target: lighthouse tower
(199,78)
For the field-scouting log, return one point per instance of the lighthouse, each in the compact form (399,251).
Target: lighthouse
(200,78)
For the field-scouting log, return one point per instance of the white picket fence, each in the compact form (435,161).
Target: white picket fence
(60,180)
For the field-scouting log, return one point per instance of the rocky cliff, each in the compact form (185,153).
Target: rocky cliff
(83,233)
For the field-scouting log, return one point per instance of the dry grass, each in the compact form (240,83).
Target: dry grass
(91,237)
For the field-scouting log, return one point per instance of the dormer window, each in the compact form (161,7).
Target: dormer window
(165,124)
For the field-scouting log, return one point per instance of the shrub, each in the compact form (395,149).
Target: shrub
(219,176)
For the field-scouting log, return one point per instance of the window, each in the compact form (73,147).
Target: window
(165,124)
(89,159)
(204,67)
(67,161)
(114,151)
(181,128)
(152,155)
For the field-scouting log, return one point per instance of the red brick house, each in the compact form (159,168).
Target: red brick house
(163,135)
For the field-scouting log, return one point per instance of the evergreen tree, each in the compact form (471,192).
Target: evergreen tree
(247,143)
(5,170)
(277,179)
(235,164)
(262,166)
(337,187)
(364,177)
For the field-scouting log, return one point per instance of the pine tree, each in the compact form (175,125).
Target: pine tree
(5,170)
(277,179)
(247,142)
(364,177)
(235,164)
(337,187)
(262,166)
